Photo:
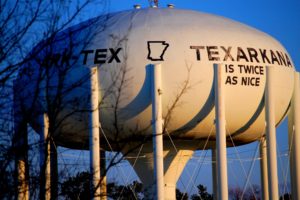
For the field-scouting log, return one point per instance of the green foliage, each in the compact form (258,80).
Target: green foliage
(181,196)
(202,194)
(6,184)
(286,196)
(251,193)
(128,192)
(77,187)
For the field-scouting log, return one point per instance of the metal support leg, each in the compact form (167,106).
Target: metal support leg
(264,169)
(214,173)
(294,138)
(54,170)
(221,133)
(175,162)
(20,143)
(103,189)
(45,168)
(157,128)
(22,169)
(271,134)
(94,135)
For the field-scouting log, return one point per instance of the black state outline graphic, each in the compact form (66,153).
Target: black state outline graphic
(163,53)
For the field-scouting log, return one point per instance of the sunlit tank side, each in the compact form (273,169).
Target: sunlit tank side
(195,42)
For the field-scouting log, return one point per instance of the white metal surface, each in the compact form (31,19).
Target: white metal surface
(157,128)
(94,134)
(176,162)
(271,133)
(186,57)
(221,132)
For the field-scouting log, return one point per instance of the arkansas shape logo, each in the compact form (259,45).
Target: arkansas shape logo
(156,50)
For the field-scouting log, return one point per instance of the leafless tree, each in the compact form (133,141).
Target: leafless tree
(250,194)
(30,34)
(24,25)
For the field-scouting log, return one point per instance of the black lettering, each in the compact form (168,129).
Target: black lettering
(231,80)
(261,70)
(264,56)
(51,60)
(281,58)
(252,54)
(252,81)
(86,52)
(229,68)
(244,81)
(114,55)
(274,58)
(227,53)
(251,69)
(257,81)
(211,51)
(198,55)
(100,56)
(248,69)
(228,80)
(288,61)
(241,55)
(240,66)
(234,80)
(65,58)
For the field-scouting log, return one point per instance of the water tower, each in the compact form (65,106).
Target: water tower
(163,82)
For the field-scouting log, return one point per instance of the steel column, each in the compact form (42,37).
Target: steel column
(221,133)
(271,133)
(214,172)
(45,167)
(264,169)
(294,138)
(157,129)
(94,135)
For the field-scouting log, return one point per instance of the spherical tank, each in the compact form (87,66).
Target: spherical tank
(187,44)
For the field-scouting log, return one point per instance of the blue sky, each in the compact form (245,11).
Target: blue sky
(278,18)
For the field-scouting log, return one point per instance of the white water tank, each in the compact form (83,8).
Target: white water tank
(187,44)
